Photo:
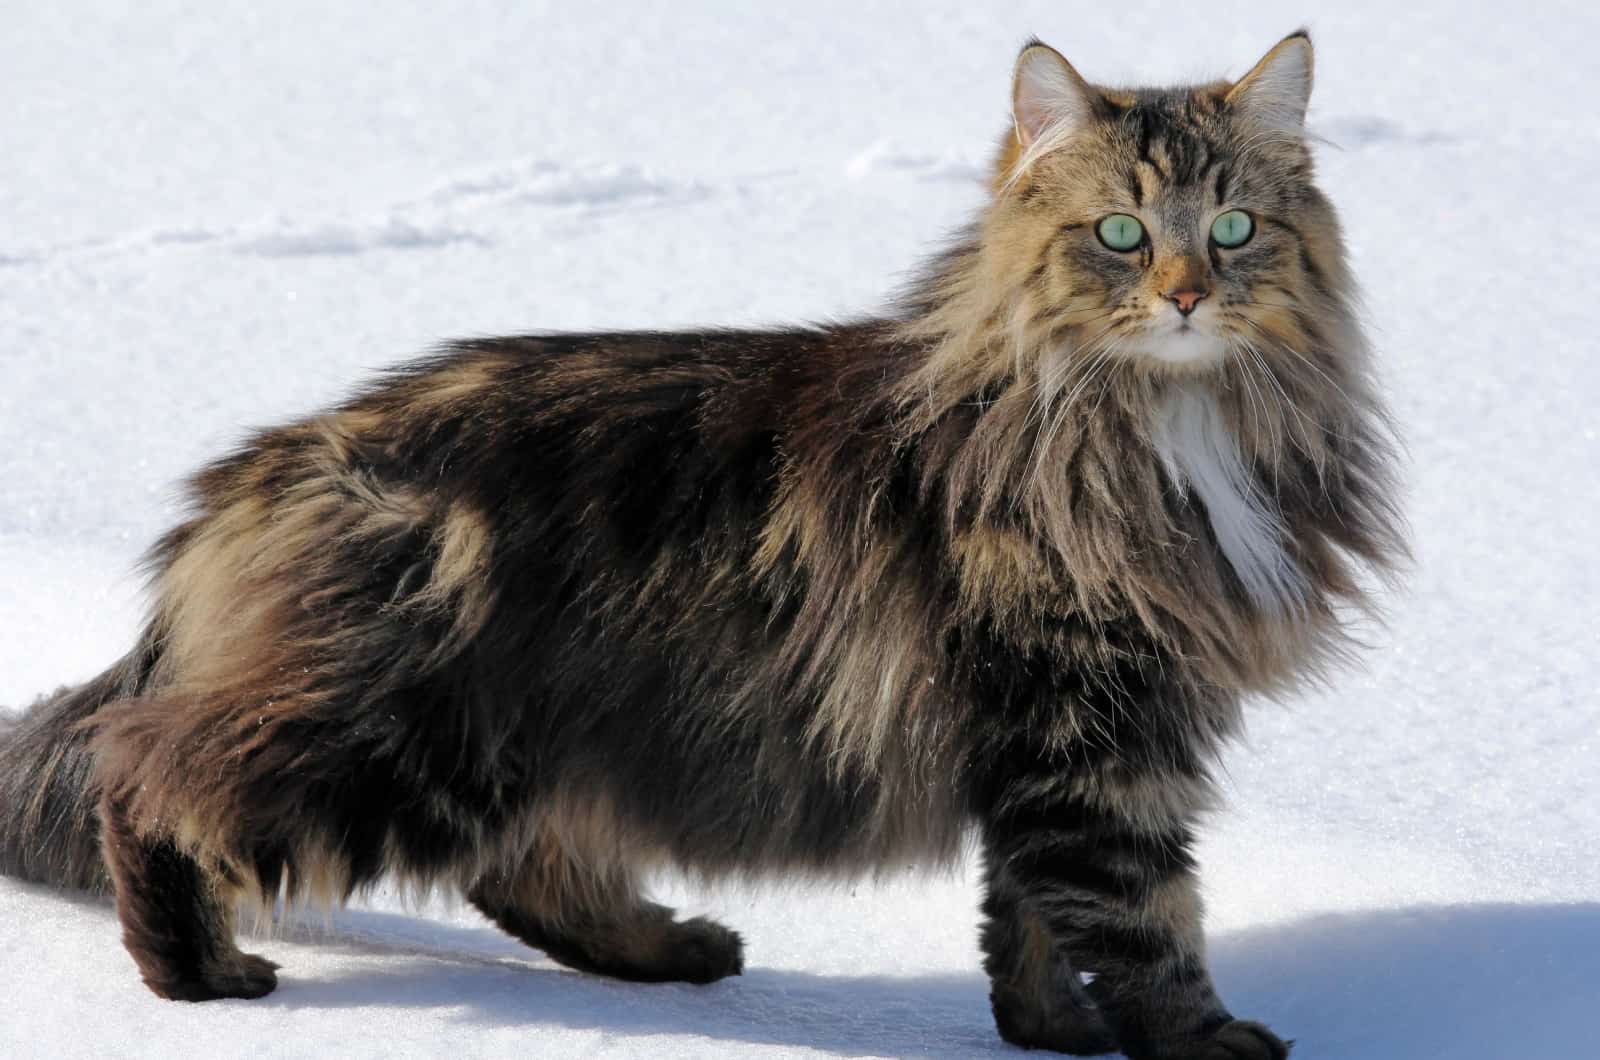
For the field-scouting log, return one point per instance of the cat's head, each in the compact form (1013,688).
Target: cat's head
(1174,228)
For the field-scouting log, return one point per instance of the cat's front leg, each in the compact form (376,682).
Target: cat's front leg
(1039,1001)
(1110,878)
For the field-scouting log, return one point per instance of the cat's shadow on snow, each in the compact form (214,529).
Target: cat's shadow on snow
(1464,982)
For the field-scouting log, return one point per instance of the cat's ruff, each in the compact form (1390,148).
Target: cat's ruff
(1200,452)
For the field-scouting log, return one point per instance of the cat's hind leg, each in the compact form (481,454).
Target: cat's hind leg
(594,919)
(177,918)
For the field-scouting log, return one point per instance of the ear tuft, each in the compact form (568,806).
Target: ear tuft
(1277,90)
(1047,94)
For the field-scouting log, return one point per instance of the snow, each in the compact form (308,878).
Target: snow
(218,215)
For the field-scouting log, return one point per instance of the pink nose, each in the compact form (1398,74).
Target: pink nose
(1186,300)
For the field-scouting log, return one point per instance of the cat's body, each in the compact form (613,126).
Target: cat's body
(541,614)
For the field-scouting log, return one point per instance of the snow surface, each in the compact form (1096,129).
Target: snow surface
(222,214)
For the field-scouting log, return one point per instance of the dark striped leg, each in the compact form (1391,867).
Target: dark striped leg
(177,918)
(1038,999)
(1107,871)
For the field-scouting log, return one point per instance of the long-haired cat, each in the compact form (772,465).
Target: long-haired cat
(540,614)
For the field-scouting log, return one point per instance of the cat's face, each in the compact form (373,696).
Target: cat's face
(1170,226)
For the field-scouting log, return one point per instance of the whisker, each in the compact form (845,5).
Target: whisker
(1258,412)
(1280,344)
(1046,438)
(1099,359)
(1283,392)
(1282,423)
(1049,385)
(1105,388)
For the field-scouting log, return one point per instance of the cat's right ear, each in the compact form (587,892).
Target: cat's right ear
(1048,97)
(1277,90)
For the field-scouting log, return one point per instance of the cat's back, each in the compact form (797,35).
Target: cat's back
(506,421)
(596,408)
(527,470)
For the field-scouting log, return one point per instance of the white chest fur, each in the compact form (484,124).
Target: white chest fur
(1201,454)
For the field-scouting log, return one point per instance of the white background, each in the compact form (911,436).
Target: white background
(220,214)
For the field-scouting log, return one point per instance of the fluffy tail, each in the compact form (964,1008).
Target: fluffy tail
(49,830)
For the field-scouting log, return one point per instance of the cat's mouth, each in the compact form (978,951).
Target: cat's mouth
(1184,342)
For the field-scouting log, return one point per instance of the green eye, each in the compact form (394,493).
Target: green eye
(1121,232)
(1232,229)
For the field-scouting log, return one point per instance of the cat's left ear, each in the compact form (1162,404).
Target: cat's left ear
(1277,90)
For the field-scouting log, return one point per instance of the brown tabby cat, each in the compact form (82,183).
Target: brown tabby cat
(540,614)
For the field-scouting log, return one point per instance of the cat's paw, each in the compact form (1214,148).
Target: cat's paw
(705,951)
(1063,1028)
(235,975)
(1241,1040)
(1086,1040)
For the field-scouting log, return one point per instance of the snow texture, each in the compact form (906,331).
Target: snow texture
(224,214)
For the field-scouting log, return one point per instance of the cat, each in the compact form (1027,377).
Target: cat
(538,615)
